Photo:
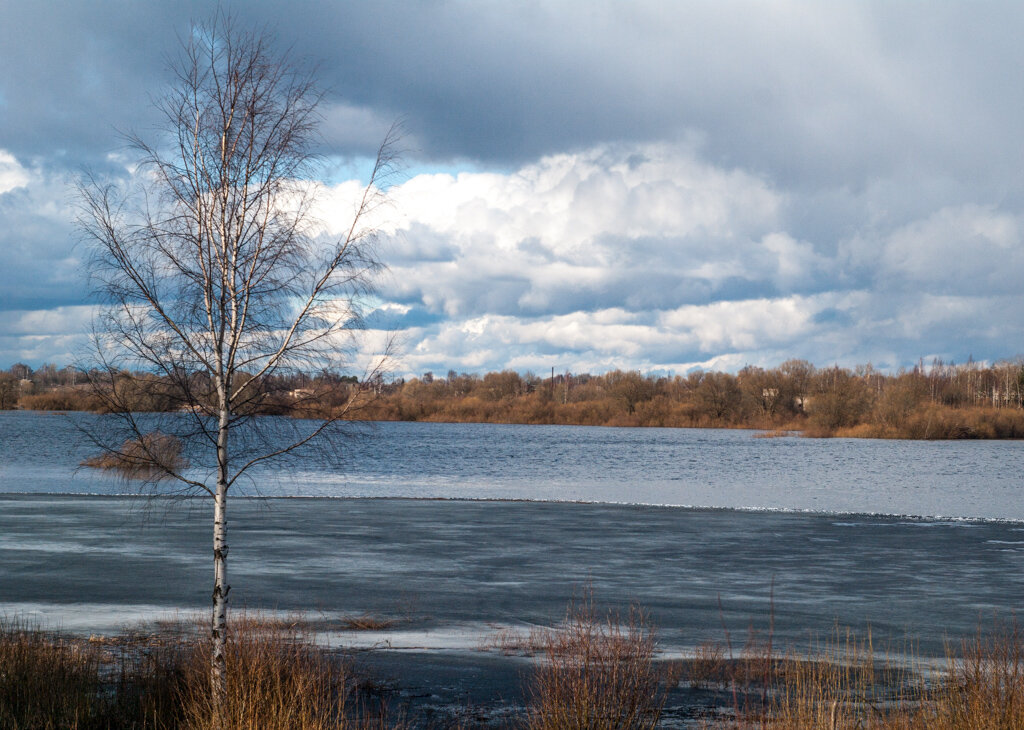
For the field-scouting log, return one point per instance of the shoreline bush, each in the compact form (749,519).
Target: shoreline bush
(154,455)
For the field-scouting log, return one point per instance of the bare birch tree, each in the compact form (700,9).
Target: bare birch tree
(217,279)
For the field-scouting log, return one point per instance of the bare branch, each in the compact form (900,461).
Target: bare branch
(213,276)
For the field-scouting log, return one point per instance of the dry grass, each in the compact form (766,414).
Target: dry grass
(151,456)
(278,680)
(594,673)
(984,687)
(709,667)
(516,642)
(843,685)
(46,682)
(839,685)
(597,674)
(366,622)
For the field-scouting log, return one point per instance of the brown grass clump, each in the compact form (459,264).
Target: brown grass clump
(709,666)
(278,679)
(984,688)
(777,433)
(597,674)
(367,622)
(514,642)
(842,685)
(150,456)
(46,682)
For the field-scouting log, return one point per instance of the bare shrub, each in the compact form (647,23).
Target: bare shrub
(597,674)
(153,455)
(709,666)
(367,622)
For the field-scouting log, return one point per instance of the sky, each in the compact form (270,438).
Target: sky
(587,185)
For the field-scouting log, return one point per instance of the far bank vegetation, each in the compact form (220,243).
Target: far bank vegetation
(936,401)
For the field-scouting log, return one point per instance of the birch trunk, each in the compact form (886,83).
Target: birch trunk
(211,269)
(218,664)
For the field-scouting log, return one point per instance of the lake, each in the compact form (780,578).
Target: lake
(477,526)
(39,454)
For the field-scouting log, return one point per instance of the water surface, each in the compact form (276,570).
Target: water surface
(912,539)
(678,467)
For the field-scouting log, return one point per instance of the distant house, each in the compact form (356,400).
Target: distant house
(301,393)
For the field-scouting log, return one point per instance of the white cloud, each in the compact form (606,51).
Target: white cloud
(12,174)
(648,256)
(57,335)
(683,338)
(963,246)
(47,322)
(795,262)
(577,231)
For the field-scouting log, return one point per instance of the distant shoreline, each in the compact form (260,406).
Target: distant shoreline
(934,423)
(936,402)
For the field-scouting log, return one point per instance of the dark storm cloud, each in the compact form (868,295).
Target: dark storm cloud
(74,72)
(805,92)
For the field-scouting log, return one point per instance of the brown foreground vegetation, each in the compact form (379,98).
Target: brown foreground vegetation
(939,401)
(597,673)
(843,684)
(591,673)
(281,680)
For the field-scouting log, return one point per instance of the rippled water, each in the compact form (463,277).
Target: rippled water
(681,467)
(460,568)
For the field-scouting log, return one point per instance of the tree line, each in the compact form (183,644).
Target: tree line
(935,401)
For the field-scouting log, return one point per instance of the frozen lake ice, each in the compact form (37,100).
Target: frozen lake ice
(476,527)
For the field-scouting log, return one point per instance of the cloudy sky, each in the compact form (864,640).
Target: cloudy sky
(589,184)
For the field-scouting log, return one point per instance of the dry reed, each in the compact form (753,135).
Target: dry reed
(46,682)
(843,685)
(278,679)
(597,674)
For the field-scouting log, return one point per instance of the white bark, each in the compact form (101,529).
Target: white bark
(218,632)
(215,278)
